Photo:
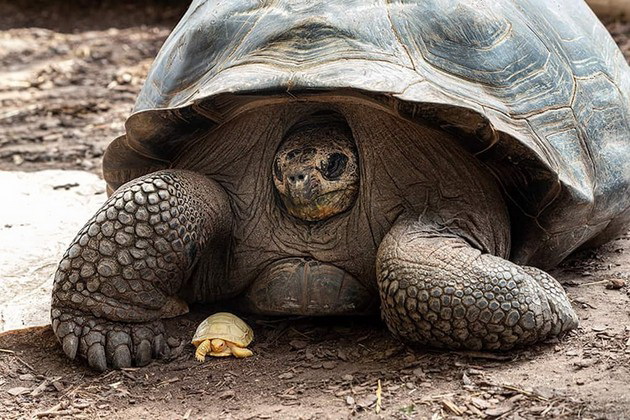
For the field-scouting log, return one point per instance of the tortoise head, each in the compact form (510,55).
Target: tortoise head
(217,345)
(316,168)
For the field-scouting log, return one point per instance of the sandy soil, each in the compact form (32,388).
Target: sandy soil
(68,78)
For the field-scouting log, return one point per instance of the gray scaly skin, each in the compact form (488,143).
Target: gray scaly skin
(124,268)
(438,290)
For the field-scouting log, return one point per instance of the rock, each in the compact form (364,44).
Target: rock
(58,386)
(366,401)
(287,375)
(329,364)
(347,377)
(583,363)
(349,400)
(615,284)
(419,373)
(227,394)
(17,159)
(298,344)
(466,379)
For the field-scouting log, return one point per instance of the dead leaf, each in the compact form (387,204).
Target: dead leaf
(18,390)
(500,410)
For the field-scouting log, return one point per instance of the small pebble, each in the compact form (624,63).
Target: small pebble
(367,401)
(298,344)
(615,284)
(583,363)
(227,394)
(419,373)
(329,364)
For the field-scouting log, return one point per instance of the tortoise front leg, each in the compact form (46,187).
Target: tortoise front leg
(123,270)
(202,350)
(438,290)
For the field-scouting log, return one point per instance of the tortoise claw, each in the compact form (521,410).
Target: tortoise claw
(143,353)
(70,345)
(96,357)
(109,344)
(122,358)
(160,348)
(118,349)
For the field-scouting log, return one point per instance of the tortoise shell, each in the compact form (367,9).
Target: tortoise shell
(541,96)
(224,326)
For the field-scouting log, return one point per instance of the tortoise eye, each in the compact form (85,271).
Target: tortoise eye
(334,167)
(277,171)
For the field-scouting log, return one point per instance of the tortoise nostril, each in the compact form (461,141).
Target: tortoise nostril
(297,178)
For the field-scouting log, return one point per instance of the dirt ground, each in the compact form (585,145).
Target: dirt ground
(68,78)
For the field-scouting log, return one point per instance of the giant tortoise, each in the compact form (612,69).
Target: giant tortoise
(428,158)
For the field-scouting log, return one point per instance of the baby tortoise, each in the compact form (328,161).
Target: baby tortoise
(222,334)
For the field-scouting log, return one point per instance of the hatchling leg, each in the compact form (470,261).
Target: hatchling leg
(438,290)
(203,349)
(123,270)
(240,352)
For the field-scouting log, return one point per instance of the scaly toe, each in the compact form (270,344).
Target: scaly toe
(96,357)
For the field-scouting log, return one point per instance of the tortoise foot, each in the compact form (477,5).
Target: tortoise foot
(126,268)
(108,344)
(438,290)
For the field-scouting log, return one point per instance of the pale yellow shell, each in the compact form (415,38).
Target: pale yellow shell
(224,326)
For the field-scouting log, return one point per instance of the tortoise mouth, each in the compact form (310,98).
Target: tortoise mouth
(321,207)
